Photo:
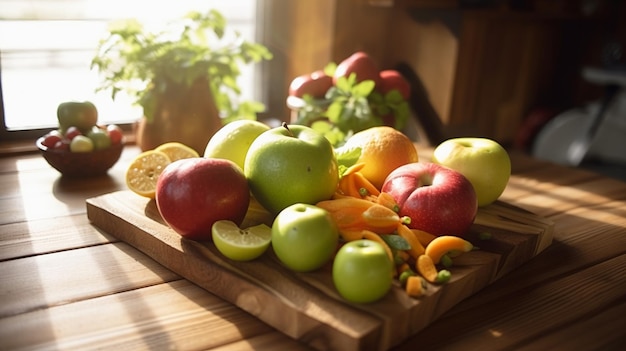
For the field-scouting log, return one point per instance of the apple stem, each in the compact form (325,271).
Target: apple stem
(287,127)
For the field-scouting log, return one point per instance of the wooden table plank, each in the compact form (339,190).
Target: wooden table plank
(43,236)
(526,313)
(192,318)
(74,275)
(608,333)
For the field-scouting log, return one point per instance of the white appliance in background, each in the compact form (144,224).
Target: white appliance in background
(596,131)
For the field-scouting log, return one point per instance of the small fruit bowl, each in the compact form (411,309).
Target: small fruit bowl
(81,164)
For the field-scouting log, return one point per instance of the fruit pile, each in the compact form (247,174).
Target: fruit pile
(350,97)
(78,129)
(371,208)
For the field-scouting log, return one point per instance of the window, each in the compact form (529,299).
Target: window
(46,48)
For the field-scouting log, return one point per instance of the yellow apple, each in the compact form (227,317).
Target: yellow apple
(233,140)
(484,162)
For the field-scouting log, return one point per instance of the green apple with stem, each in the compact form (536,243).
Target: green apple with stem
(233,140)
(484,162)
(291,164)
(82,115)
(362,271)
(304,237)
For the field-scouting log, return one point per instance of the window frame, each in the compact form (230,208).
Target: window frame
(7,135)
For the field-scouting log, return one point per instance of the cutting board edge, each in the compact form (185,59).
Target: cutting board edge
(307,337)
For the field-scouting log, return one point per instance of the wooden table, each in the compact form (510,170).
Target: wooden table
(67,285)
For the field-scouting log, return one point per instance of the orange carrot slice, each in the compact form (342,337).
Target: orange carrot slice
(385,199)
(442,245)
(426,267)
(424,237)
(362,184)
(416,247)
(415,286)
(381,219)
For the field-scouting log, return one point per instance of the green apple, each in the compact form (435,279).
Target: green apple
(304,237)
(233,140)
(100,138)
(291,164)
(484,162)
(362,271)
(82,115)
(81,143)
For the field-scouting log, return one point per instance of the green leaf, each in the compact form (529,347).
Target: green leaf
(363,89)
(334,111)
(394,97)
(396,242)
(347,156)
(330,132)
(343,84)
(330,69)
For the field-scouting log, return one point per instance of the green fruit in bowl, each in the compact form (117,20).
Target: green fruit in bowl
(233,140)
(81,143)
(291,164)
(304,237)
(82,115)
(100,138)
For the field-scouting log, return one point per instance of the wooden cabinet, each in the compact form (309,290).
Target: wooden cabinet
(483,69)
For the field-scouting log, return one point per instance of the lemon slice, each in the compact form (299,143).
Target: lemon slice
(176,151)
(144,170)
(241,244)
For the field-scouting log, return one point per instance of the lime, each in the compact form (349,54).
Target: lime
(241,244)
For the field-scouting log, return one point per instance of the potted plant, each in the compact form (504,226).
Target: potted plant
(184,76)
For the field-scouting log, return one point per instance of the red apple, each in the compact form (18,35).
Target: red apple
(193,193)
(392,80)
(72,132)
(359,63)
(50,139)
(315,84)
(439,200)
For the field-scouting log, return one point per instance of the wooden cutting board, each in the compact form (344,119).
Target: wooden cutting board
(305,306)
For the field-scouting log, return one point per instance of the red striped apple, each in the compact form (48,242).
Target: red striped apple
(439,200)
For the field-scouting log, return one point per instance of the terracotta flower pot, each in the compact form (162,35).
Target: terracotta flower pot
(184,114)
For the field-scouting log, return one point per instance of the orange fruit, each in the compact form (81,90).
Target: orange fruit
(144,170)
(383,149)
(176,151)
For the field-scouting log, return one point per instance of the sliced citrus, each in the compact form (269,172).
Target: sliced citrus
(144,170)
(176,151)
(241,244)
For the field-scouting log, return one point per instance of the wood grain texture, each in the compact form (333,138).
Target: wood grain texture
(305,306)
(139,320)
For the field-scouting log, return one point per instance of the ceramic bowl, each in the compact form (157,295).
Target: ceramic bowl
(81,164)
